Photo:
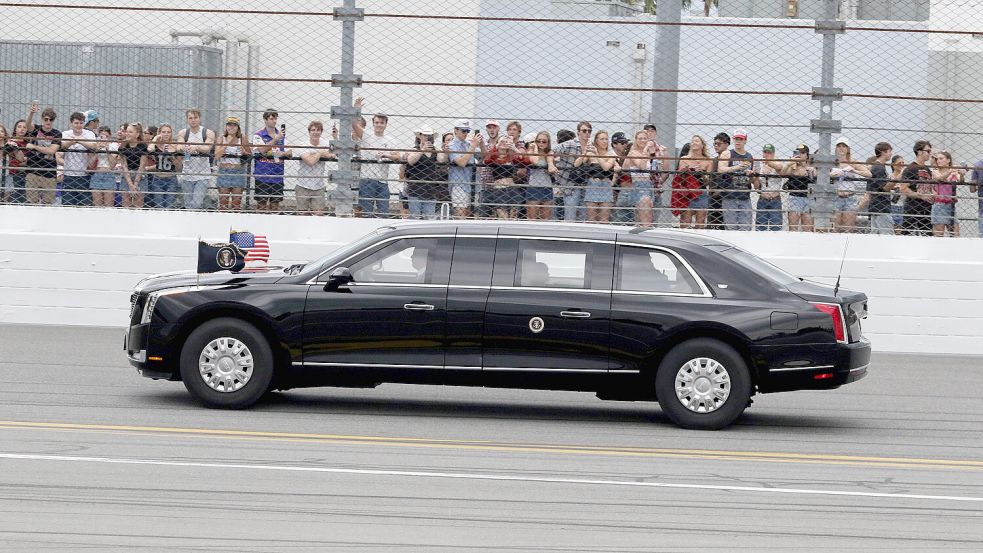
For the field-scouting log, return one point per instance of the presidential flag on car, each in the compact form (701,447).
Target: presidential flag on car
(256,246)
(220,257)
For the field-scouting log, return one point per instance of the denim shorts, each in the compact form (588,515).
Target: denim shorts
(700,202)
(799,204)
(944,214)
(846,203)
(103,181)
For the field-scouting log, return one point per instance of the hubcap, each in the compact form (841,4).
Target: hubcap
(702,385)
(225,364)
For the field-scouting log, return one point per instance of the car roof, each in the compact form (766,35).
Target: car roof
(564,230)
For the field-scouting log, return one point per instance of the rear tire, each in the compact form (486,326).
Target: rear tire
(703,384)
(227,363)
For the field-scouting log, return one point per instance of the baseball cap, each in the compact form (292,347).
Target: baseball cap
(424,130)
(619,138)
(232,120)
(530,137)
(90,116)
(842,140)
(462,124)
(768,148)
(491,122)
(801,149)
(739,133)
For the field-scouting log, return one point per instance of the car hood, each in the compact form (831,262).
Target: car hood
(259,275)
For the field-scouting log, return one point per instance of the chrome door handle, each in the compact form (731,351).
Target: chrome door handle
(575,314)
(417,307)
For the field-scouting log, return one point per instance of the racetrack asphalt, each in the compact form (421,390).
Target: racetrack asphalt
(94,457)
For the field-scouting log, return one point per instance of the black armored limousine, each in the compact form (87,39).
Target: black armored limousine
(684,319)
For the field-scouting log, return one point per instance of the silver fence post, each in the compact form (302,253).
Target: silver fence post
(346,112)
(825,126)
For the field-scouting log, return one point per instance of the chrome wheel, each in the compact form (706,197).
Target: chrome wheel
(702,385)
(225,364)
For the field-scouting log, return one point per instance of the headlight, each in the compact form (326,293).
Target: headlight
(148,310)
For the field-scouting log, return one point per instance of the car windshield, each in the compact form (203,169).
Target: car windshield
(756,264)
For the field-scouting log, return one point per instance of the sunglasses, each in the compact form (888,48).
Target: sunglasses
(584,130)
(542,142)
(47,118)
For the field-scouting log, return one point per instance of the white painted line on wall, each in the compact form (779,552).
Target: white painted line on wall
(487,476)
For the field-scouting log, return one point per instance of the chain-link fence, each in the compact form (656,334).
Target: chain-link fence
(740,114)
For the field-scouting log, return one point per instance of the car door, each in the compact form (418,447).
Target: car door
(656,293)
(393,313)
(549,307)
(467,295)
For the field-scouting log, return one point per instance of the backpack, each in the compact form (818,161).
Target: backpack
(211,152)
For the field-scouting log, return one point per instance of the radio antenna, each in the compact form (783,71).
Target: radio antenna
(842,260)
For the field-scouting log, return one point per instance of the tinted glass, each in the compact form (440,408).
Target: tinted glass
(547,264)
(648,270)
(473,260)
(759,266)
(408,261)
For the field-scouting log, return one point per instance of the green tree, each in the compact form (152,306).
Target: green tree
(650,5)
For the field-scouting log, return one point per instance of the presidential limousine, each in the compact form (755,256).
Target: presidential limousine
(684,319)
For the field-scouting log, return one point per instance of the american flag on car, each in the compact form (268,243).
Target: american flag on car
(256,246)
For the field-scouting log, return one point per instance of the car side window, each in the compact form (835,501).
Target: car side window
(554,264)
(648,270)
(408,261)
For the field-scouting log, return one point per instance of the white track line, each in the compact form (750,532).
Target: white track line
(483,476)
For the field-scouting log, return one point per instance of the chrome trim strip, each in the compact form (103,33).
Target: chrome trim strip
(394,285)
(625,371)
(816,367)
(545,370)
(385,365)
(861,368)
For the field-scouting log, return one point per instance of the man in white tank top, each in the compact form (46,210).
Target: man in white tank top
(197,171)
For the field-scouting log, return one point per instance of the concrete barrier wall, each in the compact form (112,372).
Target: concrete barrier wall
(78,266)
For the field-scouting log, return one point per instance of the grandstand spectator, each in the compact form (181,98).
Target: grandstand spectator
(977,187)
(232,154)
(13,159)
(76,143)
(917,186)
(16,160)
(310,190)
(165,162)
(658,175)
(499,159)
(947,178)
(271,149)
(898,165)
(799,178)
(599,193)
(539,195)
(847,174)
(570,179)
(879,190)
(515,195)
(133,158)
(624,209)
(735,168)
(373,184)
(42,148)
(104,175)
(693,199)
(460,174)
(485,176)
(421,176)
(92,121)
(715,218)
(197,142)
(768,216)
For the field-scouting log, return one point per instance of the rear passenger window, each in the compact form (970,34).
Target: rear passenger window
(473,261)
(547,264)
(648,270)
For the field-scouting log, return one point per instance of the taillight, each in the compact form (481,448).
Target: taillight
(836,313)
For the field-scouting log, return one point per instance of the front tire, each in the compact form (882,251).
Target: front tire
(703,384)
(227,363)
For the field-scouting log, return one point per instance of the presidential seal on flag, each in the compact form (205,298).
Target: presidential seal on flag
(220,257)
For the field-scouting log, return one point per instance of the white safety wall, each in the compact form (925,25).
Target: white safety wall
(78,266)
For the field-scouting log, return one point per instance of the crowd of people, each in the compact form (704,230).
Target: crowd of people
(494,171)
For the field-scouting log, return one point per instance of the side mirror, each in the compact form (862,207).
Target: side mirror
(338,278)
